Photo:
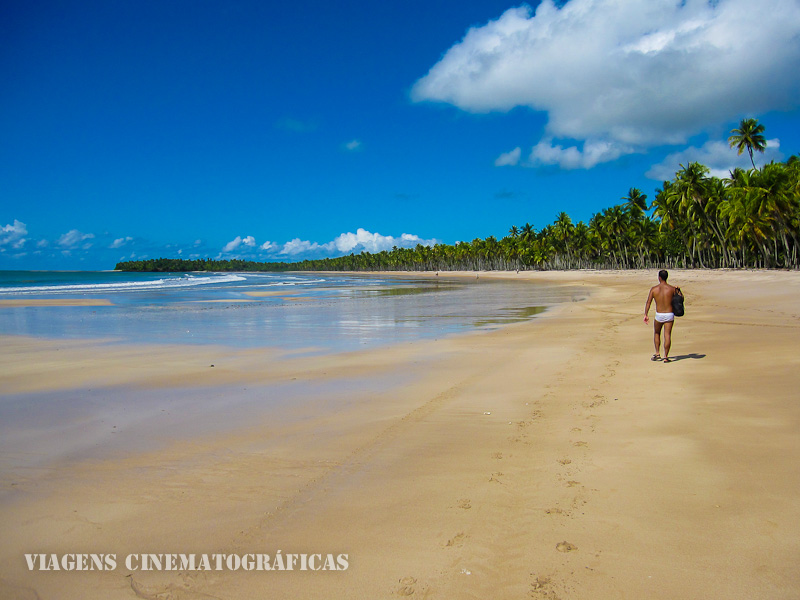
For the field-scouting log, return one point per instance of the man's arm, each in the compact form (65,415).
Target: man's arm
(647,305)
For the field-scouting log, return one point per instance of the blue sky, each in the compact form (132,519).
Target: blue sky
(282,131)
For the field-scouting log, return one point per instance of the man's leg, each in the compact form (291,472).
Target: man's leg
(657,336)
(667,338)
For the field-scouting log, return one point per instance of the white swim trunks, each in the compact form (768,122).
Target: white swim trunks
(665,317)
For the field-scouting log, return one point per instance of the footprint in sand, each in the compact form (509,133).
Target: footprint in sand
(565,461)
(170,591)
(464,503)
(456,541)
(580,444)
(599,401)
(497,455)
(406,586)
(542,587)
(541,583)
(565,547)
(573,483)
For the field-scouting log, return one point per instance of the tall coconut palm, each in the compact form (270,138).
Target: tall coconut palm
(666,205)
(748,226)
(527,232)
(635,203)
(690,191)
(717,194)
(644,233)
(750,136)
(778,204)
(562,232)
(581,241)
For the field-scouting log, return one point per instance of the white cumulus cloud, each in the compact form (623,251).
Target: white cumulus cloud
(593,153)
(73,237)
(120,242)
(344,243)
(233,244)
(718,156)
(510,158)
(13,234)
(627,74)
(349,242)
(363,240)
(298,246)
(249,241)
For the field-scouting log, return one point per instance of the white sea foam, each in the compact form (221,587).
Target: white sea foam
(172,282)
(299,281)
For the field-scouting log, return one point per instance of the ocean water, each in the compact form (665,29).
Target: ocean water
(302,313)
(285,310)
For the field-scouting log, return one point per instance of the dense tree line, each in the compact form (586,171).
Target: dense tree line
(175,265)
(749,219)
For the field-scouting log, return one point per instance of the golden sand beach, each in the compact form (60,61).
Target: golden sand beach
(547,459)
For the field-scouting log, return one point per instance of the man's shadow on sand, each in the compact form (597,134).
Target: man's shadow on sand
(685,356)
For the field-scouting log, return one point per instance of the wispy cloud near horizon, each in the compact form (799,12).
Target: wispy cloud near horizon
(248,241)
(349,242)
(297,248)
(76,244)
(73,238)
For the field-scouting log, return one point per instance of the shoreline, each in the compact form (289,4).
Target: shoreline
(314,313)
(595,473)
(30,302)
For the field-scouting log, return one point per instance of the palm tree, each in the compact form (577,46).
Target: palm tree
(581,241)
(690,191)
(717,196)
(562,232)
(748,226)
(527,232)
(749,135)
(635,203)
(778,204)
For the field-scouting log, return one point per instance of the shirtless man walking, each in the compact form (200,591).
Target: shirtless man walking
(665,319)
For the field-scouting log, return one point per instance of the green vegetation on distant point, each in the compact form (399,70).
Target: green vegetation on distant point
(750,219)
(173,265)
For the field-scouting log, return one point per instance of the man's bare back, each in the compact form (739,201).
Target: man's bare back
(662,294)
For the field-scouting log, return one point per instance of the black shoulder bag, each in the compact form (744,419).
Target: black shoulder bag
(677,303)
